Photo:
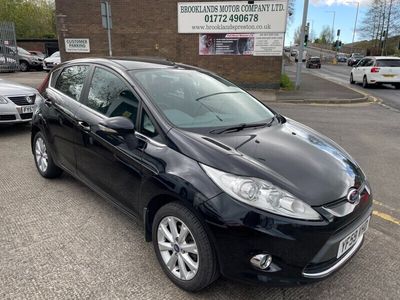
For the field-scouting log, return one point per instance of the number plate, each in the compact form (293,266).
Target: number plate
(388,75)
(352,238)
(26,109)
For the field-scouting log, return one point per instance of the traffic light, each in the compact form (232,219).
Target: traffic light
(306,31)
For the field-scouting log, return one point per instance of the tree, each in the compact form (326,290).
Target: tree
(297,35)
(381,16)
(32,19)
(325,37)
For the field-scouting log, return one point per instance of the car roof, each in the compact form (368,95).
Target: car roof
(128,63)
(383,57)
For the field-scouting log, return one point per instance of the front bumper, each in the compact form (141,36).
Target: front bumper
(12,114)
(302,251)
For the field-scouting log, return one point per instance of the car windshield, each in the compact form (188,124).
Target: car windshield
(55,54)
(388,63)
(314,59)
(192,99)
(23,51)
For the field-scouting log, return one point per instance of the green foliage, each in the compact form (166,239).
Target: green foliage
(33,19)
(286,83)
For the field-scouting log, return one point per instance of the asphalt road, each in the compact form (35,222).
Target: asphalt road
(58,239)
(340,73)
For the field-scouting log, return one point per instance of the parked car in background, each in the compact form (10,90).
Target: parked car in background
(17,102)
(354,59)
(223,184)
(51,61)
(286,49)
(294,52)
(377,70)
(28,61)
(313,62)
(37,53)
(341,57)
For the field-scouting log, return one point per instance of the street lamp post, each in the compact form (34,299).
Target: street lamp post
(355,23)
(333,22)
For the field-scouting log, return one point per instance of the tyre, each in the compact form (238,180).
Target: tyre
(365,82)
(23,66)
(43,160)
(397,86)
(351,79)
(183,248)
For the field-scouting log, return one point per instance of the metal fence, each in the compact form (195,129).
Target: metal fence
(8,48)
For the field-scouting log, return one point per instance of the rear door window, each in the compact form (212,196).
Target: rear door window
(70,82)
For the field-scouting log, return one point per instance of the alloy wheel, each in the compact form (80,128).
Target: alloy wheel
(178,248)
(41,155)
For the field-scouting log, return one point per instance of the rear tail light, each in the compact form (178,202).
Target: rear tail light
(375,70)
(43,86)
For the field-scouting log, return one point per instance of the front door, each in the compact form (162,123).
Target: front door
(109,162)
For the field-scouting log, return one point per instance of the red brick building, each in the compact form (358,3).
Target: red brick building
(149,28)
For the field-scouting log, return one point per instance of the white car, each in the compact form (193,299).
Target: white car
(377,70)
(17,102)
(51,61)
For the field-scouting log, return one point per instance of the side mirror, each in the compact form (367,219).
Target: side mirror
(117,125)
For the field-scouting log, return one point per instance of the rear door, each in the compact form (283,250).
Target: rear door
(108,162)
(62,103)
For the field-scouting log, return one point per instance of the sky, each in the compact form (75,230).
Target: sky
(320,14)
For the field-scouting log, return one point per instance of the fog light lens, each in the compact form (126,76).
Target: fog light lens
(261,261)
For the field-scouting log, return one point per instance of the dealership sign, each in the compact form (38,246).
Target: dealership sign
(232,16)
(249,44)
(77,45)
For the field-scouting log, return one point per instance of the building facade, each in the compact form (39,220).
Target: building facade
(149,28)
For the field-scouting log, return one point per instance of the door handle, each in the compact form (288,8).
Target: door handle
(84,126)
(48,102)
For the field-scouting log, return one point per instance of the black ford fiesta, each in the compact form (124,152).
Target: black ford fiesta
(223,184)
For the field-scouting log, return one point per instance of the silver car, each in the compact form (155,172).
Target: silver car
(17,102)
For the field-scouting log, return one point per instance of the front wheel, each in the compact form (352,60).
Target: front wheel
(43,160)
(23,66)
(397,86)
(183,248)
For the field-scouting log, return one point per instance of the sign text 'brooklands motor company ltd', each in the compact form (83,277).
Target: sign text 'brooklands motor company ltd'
(77,45)
(232,16)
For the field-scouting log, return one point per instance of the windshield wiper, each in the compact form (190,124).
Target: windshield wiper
(220,93)
(243,126)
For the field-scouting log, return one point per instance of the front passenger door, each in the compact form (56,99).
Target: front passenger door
(108,162)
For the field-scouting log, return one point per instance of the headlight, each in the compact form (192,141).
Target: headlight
(261,194)
(38,98)
(3,100)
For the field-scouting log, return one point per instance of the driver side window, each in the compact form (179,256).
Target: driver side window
(111,96)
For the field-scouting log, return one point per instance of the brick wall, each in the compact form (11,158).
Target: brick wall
(149,28)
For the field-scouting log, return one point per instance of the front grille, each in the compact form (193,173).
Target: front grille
(26,116)
(22,100)
(7,117)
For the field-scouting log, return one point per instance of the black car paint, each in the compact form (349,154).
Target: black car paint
(139,175)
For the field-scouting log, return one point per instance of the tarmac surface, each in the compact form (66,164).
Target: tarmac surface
(59,240)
